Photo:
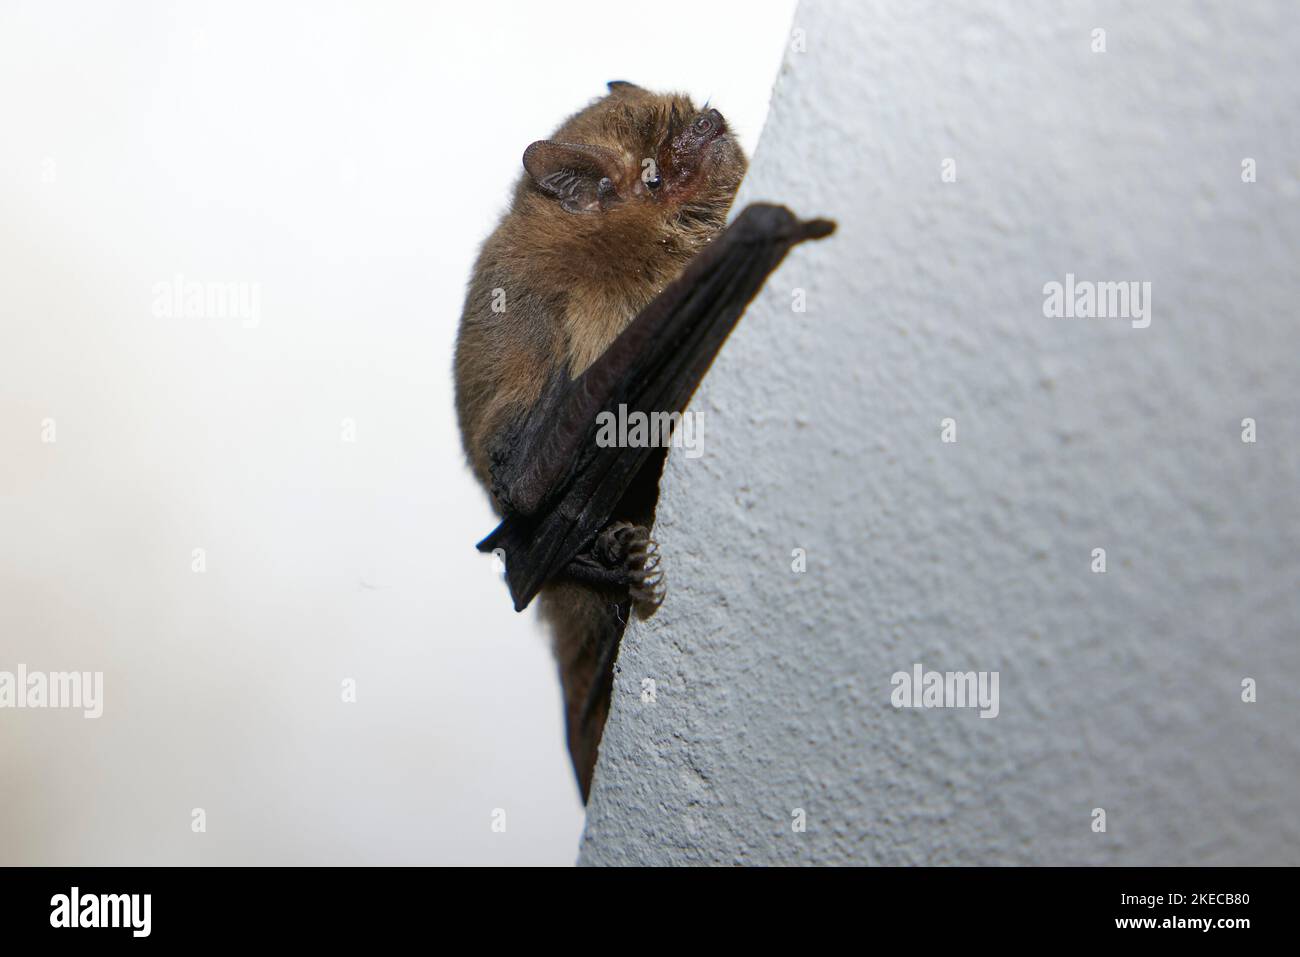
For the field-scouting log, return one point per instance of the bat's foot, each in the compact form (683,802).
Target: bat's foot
(630,548)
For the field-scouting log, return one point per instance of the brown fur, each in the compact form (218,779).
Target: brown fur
(571,283)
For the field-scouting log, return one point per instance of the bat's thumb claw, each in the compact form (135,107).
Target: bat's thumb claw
(767,223)
(814,229)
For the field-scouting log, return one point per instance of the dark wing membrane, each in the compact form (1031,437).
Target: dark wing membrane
(559,488)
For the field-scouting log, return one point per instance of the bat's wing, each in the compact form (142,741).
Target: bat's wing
(557,486)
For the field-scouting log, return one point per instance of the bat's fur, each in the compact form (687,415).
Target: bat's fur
(566,284)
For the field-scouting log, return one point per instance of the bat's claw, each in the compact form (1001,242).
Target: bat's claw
(648,587)
(645,569)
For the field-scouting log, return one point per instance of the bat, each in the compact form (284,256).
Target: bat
(610,284)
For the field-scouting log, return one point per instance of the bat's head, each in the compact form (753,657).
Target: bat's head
(637,164)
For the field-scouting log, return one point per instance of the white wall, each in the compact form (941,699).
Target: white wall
(1119,691)
(347,159)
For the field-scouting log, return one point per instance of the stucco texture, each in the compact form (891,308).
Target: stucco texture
(1119,690)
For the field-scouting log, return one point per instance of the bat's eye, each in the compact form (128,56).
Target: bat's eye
(653,182)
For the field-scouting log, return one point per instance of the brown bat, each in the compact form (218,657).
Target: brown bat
(609,282)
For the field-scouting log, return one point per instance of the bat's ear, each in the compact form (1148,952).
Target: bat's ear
(617,86)
(579,175)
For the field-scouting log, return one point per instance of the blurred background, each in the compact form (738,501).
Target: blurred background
(234,517)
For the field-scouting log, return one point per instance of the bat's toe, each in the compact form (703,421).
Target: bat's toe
(648,593)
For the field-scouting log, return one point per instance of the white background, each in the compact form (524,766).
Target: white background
(348,159)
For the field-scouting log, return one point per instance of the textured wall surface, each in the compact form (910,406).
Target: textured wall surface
(1121,690)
